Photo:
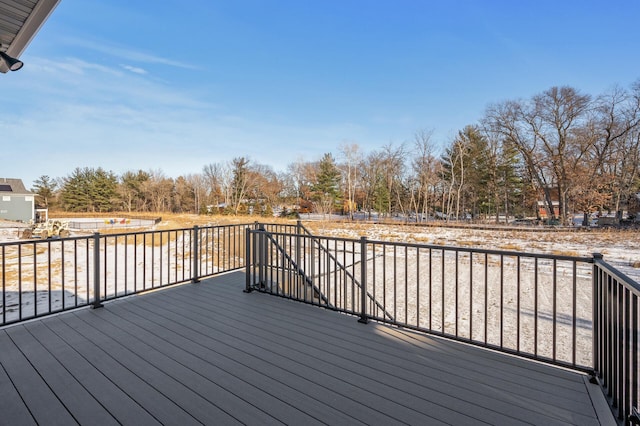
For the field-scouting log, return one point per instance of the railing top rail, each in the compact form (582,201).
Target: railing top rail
(633,285)
(584,259)
(514,253)
(119,234)
(156,231)
(42,240)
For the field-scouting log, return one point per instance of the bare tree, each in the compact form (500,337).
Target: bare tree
(615,127)
(159,190)
(298,181)
(304,174)
(424,173)
(545,131)
(352,157)
(195,187)
(263,188)
(457,163)
(375,194)
(214,180)
(558,113)
(393,170)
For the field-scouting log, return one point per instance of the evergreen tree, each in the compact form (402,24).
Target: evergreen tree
(381,195)
(326,189)
(44,187)
(89,190)
(103,187)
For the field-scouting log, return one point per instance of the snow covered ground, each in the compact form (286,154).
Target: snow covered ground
(619,248)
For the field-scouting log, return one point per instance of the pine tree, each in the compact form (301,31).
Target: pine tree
(44,187)
(89,190)
(326,189)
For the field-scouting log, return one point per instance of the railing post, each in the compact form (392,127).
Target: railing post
(96,271)
(596,303)
(247,261)
(262,256)
(363,281)
(299,253)
(196,257)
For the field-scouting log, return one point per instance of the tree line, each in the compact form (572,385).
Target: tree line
(573,152)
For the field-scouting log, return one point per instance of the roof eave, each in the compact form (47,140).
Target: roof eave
(36,18)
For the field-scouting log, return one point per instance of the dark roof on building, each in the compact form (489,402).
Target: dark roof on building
(14,186)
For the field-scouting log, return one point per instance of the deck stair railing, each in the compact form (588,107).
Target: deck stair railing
(265,239)
(343,268)
(302,266)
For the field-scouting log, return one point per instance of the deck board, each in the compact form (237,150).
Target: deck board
(344,367)
(210,354)
(40,399)
(119,406)
(69,391)
(12,407)
(442,362)
(206,371)
(384,357)
(251,360)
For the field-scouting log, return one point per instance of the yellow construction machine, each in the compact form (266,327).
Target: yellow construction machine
(52,228)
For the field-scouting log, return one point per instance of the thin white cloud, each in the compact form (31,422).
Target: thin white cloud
(79,67)
(127,53)
(114,85)
(135,70)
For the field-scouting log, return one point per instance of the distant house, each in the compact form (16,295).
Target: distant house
(543,209)
(16,203)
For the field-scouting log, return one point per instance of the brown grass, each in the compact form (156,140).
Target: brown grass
(565,253)
(173,221)
(422,239)
(510,247)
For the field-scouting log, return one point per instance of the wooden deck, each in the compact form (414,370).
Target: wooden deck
(210,354)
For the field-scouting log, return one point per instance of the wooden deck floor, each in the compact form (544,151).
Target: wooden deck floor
(211,354)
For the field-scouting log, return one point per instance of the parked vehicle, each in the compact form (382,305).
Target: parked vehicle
(52,228)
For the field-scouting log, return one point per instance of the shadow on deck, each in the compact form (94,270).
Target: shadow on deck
(208,353)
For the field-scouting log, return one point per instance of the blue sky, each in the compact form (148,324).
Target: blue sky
(172,85)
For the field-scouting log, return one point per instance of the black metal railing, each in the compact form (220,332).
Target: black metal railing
(576,312)
(40,277)
(537,306)
(616,327)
